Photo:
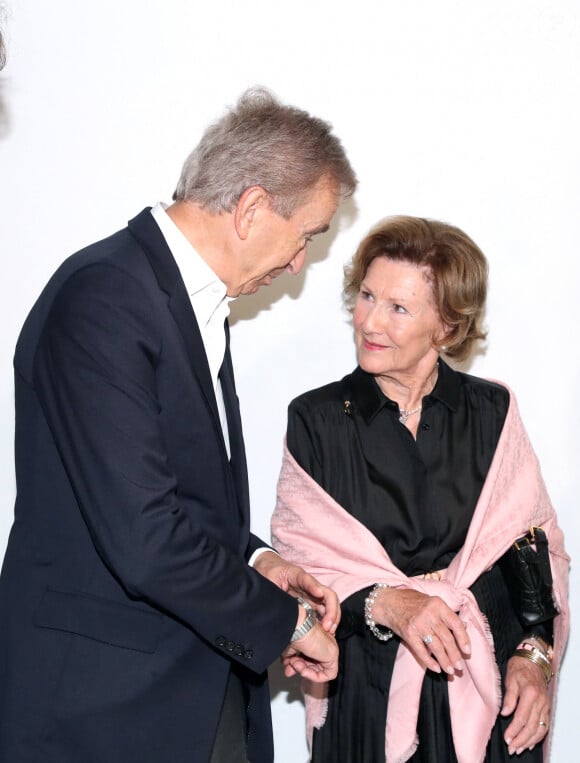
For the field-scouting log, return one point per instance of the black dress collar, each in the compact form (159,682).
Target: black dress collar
(365,394)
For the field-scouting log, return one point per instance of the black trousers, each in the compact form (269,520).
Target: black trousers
(230,741)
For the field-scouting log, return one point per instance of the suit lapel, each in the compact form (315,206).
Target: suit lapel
(146,231)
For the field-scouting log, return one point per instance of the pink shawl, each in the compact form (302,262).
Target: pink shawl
(311,529)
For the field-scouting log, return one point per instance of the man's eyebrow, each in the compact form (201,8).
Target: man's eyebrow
(322,229)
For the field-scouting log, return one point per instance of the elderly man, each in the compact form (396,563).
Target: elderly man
(139,613)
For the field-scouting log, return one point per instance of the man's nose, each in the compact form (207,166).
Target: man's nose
(295,265)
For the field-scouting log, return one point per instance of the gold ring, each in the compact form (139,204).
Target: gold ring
(542,723)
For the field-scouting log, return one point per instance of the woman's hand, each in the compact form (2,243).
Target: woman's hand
(527,694)
(433,632)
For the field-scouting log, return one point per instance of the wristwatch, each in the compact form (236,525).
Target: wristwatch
(308,623)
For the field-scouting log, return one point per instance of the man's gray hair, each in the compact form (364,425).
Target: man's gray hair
(261,142)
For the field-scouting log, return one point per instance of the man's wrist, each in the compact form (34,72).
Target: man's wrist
(257,553)
(307,623)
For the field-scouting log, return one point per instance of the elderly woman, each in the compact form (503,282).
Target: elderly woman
(404,487)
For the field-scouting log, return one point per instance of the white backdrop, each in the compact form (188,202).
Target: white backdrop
(452,109)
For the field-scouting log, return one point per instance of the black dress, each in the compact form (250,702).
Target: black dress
(417,497)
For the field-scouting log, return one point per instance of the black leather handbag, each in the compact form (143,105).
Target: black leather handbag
(526,568)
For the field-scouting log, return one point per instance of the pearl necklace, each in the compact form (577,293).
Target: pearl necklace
(404,414)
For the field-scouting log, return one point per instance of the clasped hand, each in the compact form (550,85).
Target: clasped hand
(438,639)
(433,633)
(315,656)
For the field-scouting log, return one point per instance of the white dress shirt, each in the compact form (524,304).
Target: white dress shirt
(208,298)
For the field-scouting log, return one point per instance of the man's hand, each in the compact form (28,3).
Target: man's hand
(315,656)
(296,581)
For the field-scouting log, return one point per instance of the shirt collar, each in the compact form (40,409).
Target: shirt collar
(197,275)
(369,399)
(448,386)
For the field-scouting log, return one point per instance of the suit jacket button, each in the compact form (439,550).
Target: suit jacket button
(248,654)
(220,641)
(230,646)
(238,650)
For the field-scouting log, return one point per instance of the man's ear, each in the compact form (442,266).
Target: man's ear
(249,205)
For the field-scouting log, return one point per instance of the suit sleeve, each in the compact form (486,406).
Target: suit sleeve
(254,544)
(95,376)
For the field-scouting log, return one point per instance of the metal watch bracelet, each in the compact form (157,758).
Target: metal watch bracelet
(308,624)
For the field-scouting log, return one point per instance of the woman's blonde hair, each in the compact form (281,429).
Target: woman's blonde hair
(456,269)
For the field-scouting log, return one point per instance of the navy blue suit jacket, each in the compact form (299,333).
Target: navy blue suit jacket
(125,594)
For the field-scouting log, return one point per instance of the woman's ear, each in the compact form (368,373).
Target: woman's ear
(441,341)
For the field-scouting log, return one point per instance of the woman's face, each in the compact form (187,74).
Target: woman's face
(396,321)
